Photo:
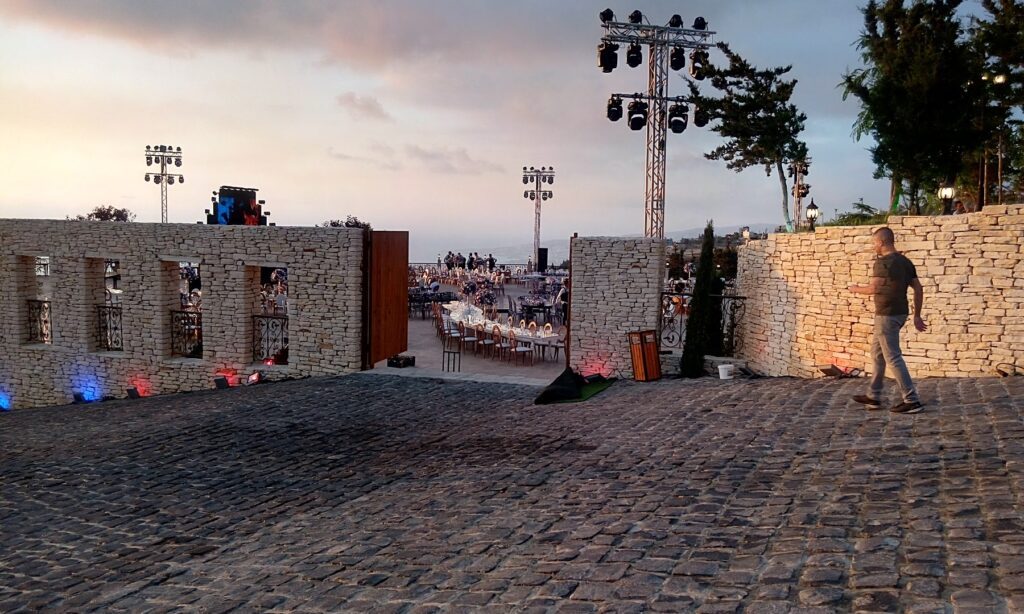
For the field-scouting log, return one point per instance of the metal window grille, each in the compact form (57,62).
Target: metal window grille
(39,322)
(109,328)
(187,334)
(270,339)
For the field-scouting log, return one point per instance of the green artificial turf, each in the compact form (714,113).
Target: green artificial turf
(590,390)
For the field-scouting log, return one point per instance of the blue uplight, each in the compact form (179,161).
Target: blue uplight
(88,385)
(5,401)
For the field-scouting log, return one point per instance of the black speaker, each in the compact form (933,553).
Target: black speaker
(542,259)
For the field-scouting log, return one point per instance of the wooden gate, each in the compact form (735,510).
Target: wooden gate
(385,295)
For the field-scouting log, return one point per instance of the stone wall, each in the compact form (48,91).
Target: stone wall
(799,313)
(324,308)
(616,286)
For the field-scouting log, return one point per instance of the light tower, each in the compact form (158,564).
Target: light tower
(164,155)
(667,47)
(537,194)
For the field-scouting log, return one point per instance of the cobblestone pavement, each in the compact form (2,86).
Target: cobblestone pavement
(391,494)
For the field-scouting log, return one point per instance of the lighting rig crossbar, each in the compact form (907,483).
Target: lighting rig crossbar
(666,45)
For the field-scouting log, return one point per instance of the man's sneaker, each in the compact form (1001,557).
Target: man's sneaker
(864,399)
(915,407)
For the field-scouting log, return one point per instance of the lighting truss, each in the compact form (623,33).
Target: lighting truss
(164,156)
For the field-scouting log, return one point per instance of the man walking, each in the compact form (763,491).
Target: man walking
(891,275)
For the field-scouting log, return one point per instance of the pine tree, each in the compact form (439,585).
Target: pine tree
(704,324)
(920,93)
(761,126)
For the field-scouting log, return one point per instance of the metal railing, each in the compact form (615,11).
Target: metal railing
(674,312)
(108,328)
(39,322)
(187,334)
(270,339)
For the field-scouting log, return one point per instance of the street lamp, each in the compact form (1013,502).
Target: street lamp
(164,155)
(946,194)
(812,214)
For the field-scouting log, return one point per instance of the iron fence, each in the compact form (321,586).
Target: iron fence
(108,331)
(187,334)
(674,312)
(270,339)
(39,322)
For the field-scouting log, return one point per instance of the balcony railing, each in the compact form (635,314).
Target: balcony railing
(108,328)
(270,339)
(187,334)
(39,329)
(675,310)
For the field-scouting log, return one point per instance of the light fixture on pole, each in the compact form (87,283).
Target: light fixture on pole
(812,214)
(946,194)
(667,46)
(164,156)
(537,193)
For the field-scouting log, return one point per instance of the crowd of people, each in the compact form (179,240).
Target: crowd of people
(473,262)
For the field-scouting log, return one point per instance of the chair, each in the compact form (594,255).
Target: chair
(451,353)
(467,337)
(500,345)
(561,341)
(485,344)
(520,348)
(511,307)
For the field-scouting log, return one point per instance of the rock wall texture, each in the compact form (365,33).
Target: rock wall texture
(324,310)
(616,289)
(799,313)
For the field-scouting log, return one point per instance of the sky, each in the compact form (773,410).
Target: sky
(411,115)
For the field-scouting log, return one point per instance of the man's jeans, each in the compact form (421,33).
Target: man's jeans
(885,350)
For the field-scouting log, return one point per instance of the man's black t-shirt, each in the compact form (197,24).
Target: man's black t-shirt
(897,271)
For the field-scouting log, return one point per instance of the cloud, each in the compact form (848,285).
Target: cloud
(450,161)
(385,162)
(363,107)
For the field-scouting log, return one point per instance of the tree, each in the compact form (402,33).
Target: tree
(704,324)
(350,221)
(755,116)
(920,93)
(107,213)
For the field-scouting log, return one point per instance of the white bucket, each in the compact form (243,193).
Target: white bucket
(726,371)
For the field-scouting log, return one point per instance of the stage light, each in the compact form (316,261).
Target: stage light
(147,147)
(133,393)
(181,179)
(607,15)
(221,382)
(700,117)
(177,162)
(5,402)
(636,17)
(700,24)
(678,116)
(179,149)
(526,180)
(149,160)
(634,56)
(170,180)
(254,378)
(156,178)
(637,114)
(615,108)
(677,58)
(698,64)
(607,56)
(147,176)
(676,21)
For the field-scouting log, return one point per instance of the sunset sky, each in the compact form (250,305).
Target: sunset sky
(411,115)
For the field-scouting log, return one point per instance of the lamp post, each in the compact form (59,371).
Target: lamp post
(164,155)
(812,214)
(667,46)
(946,194)
(537,194)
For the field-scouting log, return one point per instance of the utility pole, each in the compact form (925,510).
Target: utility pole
(666,45)
(537,194)
(164,155)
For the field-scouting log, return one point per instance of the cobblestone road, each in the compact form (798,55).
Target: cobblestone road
(393,494)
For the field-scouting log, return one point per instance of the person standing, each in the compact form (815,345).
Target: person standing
(891,275)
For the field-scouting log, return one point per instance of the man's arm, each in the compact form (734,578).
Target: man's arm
(870,288)
(918,303)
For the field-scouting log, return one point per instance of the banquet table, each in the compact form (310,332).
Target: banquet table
(470,315)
